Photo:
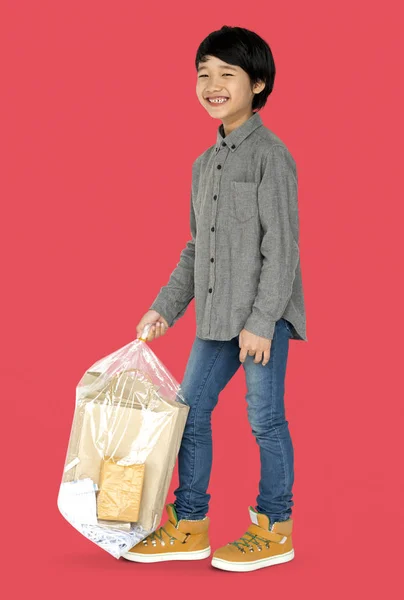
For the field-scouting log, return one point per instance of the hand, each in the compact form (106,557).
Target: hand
(254,345)
(158,328)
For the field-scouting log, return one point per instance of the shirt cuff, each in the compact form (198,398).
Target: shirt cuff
(171,311)
(161,307)
(259,326)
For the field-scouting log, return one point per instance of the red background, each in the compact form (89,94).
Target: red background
(100,126)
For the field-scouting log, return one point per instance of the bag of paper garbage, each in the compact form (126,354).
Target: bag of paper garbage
(128,423)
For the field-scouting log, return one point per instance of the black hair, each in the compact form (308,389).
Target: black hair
(243,48)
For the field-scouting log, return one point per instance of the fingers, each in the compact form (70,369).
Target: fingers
(257,356)
(156,330)
(160,329)
(243,354)
(266,357)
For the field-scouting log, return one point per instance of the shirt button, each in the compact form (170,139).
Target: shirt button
(219,166)
(223,143)
(233,146)
(212,229)
(210,290)
(214,197)
(212,259)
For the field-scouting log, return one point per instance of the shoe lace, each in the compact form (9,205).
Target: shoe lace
(245,542)
(158,535)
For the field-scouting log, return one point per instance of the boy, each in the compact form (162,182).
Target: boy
(242,266)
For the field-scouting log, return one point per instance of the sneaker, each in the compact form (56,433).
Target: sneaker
(261,546)
(177,539)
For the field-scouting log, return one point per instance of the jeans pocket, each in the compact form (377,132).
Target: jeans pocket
(288,327)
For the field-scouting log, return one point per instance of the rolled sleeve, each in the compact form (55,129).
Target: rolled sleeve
(278,209)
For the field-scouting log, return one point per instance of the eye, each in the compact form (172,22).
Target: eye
(230,74)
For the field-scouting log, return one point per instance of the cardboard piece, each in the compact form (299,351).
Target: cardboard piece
(120,491)
(131,424)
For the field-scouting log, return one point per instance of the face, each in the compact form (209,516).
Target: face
(216,78)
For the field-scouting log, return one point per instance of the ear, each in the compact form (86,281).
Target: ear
(258,86)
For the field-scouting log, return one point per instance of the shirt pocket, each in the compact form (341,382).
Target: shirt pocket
(244,201)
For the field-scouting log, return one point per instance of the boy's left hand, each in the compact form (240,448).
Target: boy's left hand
(254,345)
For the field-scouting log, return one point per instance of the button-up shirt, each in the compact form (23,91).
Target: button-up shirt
(242,262)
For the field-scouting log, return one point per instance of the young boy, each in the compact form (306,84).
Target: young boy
(242,266)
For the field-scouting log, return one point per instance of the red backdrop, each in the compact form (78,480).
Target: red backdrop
(100,126)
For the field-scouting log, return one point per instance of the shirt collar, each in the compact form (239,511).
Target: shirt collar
(238,135)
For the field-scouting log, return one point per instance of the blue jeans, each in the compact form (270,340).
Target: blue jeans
(210,367)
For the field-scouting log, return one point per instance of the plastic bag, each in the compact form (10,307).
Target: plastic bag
(127,428)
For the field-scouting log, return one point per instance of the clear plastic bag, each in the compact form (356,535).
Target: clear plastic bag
(127,428)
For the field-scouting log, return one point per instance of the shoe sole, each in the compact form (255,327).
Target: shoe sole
(228,565)
(161,556)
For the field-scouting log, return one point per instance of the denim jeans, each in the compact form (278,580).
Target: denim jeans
(210,367)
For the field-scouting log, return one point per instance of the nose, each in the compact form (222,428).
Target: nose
(213,86)
(214,91)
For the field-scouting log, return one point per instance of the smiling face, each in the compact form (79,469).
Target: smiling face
(230,85)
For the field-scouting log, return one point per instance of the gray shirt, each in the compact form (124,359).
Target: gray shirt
(242,263)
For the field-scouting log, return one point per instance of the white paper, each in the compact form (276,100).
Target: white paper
(77,501)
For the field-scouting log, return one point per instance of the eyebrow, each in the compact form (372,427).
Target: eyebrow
(220,67)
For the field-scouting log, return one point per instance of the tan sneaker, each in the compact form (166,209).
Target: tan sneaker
(261,546)
(175,540)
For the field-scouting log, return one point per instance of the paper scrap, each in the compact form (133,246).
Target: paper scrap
(77,501)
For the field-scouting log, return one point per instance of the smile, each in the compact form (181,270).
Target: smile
(217,100)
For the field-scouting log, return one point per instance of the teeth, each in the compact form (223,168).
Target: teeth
(217,100)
